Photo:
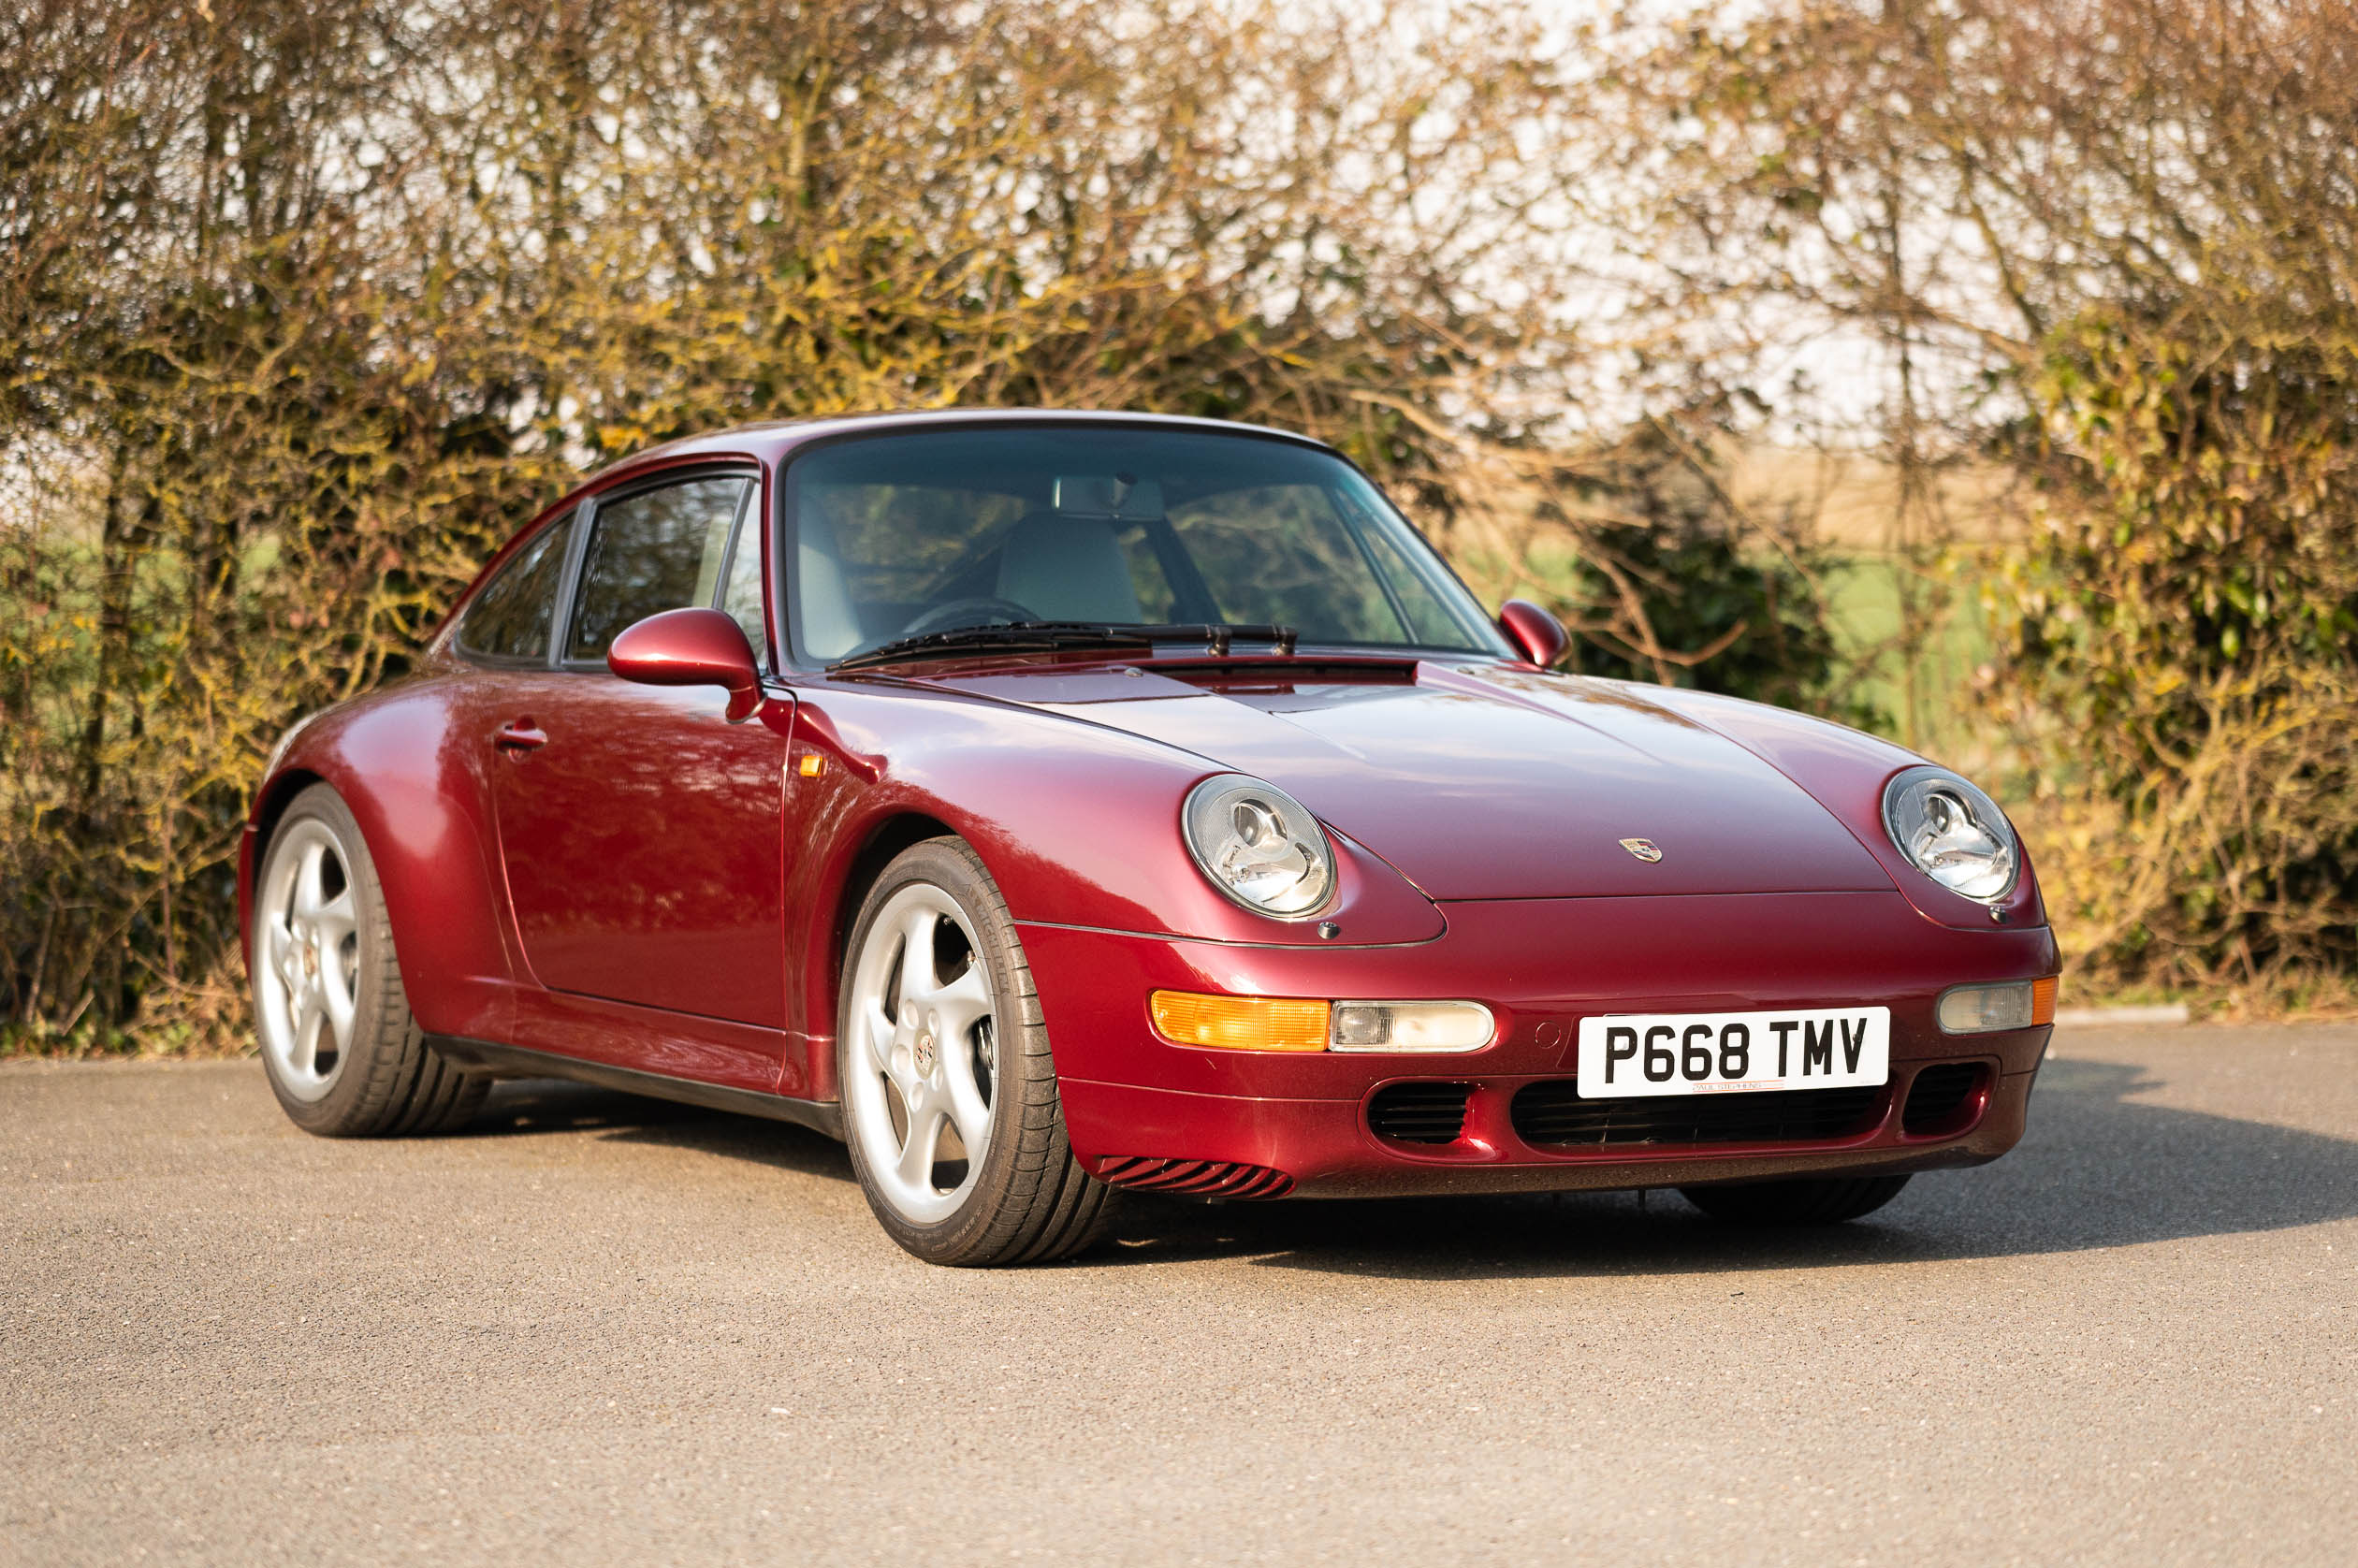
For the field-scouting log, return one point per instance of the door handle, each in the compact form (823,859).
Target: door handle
(520,738)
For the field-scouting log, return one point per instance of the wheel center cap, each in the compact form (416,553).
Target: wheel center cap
(924,1055)
(311,957)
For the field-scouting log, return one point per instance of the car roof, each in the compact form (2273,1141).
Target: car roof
(773,439)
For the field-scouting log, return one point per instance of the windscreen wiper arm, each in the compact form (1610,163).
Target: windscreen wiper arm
(1046,636)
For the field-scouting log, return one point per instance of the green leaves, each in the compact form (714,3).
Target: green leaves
(2189,622)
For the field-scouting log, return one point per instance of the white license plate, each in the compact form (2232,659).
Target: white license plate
(1733,1053)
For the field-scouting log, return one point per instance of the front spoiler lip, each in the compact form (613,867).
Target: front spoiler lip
(1686,1170)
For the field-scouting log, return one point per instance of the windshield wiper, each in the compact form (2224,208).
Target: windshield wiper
(1047,636)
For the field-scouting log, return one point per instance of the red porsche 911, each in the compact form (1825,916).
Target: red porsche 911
(1049,805)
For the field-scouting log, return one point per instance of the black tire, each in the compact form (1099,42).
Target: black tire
(389,1082)
(1813,1201)
(1029,1201)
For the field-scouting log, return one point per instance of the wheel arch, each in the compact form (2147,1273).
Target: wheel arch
(883,844)
(276,795)
(879,846)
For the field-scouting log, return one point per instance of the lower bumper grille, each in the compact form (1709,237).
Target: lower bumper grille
(1195,1178)
(1419,1112)
(1554,1113)
(1940,1095)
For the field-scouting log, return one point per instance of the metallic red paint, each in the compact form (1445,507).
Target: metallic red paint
(642,843)
(629,879)
(690,647)
(1325,1147)
(399,757)
(1540,966)
(1485,782)
(1537,635)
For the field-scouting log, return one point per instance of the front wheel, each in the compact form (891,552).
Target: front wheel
(1813,1201)
(950,1103)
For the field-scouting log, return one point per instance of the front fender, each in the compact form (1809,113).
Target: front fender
(1077,825)
(1846,770)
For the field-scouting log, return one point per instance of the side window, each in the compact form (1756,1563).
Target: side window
(741,596)
(1429,619)
(510,617)
(660,549)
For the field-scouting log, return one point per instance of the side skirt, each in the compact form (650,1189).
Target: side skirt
(514,1061)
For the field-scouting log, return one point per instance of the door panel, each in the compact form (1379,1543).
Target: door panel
(639,828)
(643,845)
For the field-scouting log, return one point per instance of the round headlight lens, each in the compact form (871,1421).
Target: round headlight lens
(1259,845)
(1951,832)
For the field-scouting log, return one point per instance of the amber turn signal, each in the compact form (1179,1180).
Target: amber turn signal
(1239,1022)
(2043,1000)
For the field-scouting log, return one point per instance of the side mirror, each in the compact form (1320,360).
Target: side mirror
(1535,633)
(690,647)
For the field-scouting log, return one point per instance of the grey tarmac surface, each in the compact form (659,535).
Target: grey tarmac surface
(598,1330)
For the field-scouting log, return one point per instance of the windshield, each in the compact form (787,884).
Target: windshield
(896,536)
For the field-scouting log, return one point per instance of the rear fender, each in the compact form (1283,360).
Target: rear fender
(400,761)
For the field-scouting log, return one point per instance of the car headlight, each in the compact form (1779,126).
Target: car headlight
(1951,832)
(1259,845)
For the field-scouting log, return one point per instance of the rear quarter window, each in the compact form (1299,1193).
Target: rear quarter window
(513,614)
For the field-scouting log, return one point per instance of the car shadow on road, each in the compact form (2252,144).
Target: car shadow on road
(2099,1169)
(526,1106)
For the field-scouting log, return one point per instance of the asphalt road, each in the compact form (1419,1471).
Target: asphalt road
(598,1330)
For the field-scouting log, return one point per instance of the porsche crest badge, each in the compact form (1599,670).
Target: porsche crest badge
(1644,848)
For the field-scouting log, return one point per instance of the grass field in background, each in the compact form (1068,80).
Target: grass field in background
(1926,698)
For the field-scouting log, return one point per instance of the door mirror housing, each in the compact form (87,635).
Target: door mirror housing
(690,647)
(1535,633)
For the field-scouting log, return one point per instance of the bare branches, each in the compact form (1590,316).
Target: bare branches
(303,307)
(327,296)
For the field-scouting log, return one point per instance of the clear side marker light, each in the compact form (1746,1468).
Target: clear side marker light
(1982,1010)
(1411,1026)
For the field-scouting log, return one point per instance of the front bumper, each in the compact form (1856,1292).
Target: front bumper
(1325,1148)
(1143,1111)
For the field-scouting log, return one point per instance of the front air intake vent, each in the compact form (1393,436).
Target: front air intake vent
(1419,1112)
(1195,1178)
(1554,1113)
(1941,1096)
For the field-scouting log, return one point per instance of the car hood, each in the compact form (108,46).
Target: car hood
(1484,782)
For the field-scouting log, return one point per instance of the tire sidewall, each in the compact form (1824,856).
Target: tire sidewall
(950,865)
(377,984)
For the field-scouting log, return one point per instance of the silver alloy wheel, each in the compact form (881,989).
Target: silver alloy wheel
(922,1062)
(307,958)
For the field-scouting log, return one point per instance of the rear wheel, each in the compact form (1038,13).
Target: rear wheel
(344,1056)
(1814,1200)
(949,1101)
